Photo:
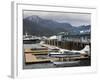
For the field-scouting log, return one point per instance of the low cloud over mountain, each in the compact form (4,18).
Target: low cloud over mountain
(35,25)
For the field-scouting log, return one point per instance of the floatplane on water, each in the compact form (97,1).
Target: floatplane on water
(64,56)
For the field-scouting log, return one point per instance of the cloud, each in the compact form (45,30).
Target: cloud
(75,19)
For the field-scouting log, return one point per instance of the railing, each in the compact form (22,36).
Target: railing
(77,40)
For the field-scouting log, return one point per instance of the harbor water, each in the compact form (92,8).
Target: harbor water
(81,63)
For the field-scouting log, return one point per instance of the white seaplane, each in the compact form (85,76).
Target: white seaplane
(64,56)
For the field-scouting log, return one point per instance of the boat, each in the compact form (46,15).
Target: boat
(65,62)
(31,40)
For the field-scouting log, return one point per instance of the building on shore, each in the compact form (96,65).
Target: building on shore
(69,41)
(30,39)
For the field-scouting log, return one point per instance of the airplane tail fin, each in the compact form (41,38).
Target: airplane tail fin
(86,49)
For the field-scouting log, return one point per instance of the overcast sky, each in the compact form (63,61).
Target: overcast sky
(75,19)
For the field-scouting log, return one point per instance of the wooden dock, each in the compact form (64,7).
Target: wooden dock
(28,50)
(31,56)
(75,45)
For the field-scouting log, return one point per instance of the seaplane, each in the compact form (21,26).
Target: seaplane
(64,56)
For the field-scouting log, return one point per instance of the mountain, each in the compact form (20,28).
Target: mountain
(35,25)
